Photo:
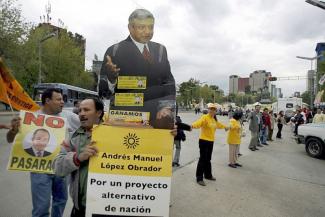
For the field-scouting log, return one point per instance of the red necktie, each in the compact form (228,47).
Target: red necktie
(146,54)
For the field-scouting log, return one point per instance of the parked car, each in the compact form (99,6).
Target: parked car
(313,136)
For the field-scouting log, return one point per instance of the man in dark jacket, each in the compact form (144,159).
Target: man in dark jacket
(177,142)
(138,59)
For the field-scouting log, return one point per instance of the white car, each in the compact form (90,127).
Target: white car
(313,136)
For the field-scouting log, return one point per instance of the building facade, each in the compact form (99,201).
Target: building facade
(310,81)
(233,84)
(258,80)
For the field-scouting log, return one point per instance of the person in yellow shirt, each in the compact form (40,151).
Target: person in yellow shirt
(234,139)
(208,124)
(319,117)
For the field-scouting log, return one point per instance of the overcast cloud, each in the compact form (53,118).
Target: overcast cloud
(207,39)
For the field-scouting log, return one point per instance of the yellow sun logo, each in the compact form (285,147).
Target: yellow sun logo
(131,140)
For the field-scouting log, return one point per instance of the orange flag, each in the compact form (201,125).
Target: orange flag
(12,93)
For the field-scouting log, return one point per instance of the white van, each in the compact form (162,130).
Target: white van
(288,105)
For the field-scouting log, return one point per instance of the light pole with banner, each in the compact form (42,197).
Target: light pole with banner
(313,91)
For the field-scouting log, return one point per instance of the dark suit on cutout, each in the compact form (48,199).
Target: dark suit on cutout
(160,83)
(31,152)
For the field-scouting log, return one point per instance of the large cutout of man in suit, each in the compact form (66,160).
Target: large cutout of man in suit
(138,56)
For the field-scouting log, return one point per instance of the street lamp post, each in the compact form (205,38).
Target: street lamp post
(317,3)
(315,89)
(52,34)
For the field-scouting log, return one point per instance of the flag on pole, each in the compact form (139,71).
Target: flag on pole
(12,93)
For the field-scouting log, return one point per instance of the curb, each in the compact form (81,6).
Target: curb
(9,113)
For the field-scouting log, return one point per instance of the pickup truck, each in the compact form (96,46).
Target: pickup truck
(313,136)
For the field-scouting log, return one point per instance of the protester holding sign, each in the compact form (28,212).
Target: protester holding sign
(75,159)
(208,124)
(136,74)
(44,186)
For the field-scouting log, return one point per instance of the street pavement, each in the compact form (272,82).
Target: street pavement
(279,180)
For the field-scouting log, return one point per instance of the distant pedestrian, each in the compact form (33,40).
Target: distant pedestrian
(254,127)
(234,139)
(298,120)
(208,124)
(280,122)
(265,125)
(270,129)
(76,105)
(177,142)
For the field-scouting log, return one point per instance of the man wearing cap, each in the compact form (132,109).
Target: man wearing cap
(138,56)
(208,124)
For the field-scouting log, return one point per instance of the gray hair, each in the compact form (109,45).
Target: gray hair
(140,14)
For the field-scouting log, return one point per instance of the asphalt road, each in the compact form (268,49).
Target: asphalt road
(278,180)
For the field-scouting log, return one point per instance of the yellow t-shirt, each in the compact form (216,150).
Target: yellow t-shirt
(208,127)
(319,118)
(234,132)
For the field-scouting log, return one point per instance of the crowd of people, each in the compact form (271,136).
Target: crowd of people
(78,147)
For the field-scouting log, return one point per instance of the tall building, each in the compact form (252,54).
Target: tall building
(233,84)
(258,80)
(237,84)
(273,91)
(310,80)
(242,84)
(95,69)
(279,93)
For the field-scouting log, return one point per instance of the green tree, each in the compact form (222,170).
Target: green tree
(13,30)
(61,60)
(306,97)
(248,89)
(187,91)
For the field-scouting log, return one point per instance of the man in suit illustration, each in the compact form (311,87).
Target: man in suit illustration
(138,56)
(40,140)
(254,127)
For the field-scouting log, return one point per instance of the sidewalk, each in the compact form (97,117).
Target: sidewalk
(9,113)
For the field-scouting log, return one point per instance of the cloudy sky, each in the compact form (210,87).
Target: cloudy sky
(206,39)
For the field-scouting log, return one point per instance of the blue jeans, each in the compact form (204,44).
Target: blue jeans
(263,135)
(43,187)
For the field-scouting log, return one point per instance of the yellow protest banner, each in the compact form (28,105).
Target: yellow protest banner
(131,82)
(37,143)
(133,169)
(128,116)
(129,99)
(12,93)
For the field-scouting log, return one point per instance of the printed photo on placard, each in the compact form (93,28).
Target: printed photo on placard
(131,82)
(37,142)
(135,57)
(133,118)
